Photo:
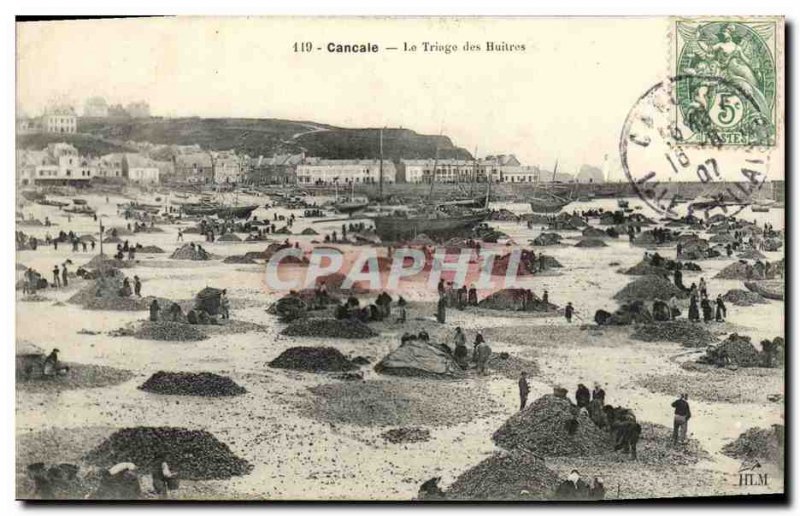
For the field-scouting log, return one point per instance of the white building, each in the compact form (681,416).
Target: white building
(447,170)
(518,174)
(140,169)
(228,167)
(60,120)
(110,165)
(316,171)
(59,164)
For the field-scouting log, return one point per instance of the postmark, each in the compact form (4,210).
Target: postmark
(661,157)
(740,108)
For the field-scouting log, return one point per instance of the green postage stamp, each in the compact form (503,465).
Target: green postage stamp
(727,83)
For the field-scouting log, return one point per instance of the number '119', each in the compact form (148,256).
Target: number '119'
(303,46)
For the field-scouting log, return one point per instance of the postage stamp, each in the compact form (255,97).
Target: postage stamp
(729,95)
(655,149)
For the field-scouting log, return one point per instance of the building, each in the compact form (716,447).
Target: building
(278,169)
(95,107)
(228,167)
(495,166)
(196,167)
(59,164)
(139,169)
(517,174)
(317,171)
(110,165)
(27,125)
(59,120)
(447,170)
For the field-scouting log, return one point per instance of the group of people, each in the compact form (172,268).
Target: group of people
(481,352)
(709,313)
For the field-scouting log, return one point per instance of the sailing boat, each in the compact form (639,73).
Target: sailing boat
(439,222)
(470,201)
(351,205)
(546,201)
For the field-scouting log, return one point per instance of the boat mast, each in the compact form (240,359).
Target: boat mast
(435,164)
(474,170)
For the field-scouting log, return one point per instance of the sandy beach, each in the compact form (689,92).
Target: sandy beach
(302,448)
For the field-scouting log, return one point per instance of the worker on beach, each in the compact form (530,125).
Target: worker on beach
(441,309)
(674,311)
(472,296)
(582,396)
(137,286)
(705,305)
(481,353)
(598,489)
(51,366)
(722,311)
(694,313)
(154,310)
(460,353)
(568,311)
(224,305)
(573,488)
(681,419)
(163,478)
(64,280)
(598,394)
(524,389)
(56,277)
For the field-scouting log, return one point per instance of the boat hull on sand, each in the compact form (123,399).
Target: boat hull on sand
(394,228)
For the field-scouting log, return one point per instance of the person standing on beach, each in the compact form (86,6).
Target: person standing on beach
(64,280)
(568,311)
(56,278)
(180,235)
(481,353)
(137,286)
(722,312)
(524,389)
(681,419)
(694,313)
(441,309)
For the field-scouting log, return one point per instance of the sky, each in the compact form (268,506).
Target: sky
(565,97)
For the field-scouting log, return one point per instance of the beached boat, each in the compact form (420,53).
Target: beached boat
(349,207)
(48,202)
(622,203)
(80,210)
(470,202)
(394,228)
(709,203)
(759,208)
(236,212)
(548,201)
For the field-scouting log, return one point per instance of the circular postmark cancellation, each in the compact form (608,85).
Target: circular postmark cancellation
(677,136)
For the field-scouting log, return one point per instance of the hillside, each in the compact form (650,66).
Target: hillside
(267,136)
(86,144)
